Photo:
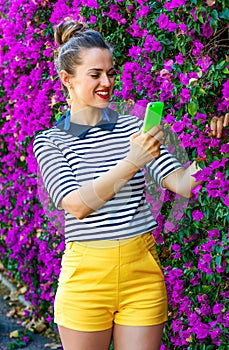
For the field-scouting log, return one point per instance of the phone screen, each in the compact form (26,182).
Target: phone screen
(153,115)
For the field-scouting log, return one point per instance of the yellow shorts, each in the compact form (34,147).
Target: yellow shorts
(107,282)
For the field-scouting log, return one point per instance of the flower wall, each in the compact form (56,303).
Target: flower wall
(174,51)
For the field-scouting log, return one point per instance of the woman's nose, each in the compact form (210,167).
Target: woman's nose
(105,80)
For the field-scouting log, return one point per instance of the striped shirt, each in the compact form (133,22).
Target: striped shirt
(71,155)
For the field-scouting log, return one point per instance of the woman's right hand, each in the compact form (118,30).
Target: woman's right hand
(145,147)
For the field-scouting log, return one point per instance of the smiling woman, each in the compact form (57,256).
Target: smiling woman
(86,70)
(92,83)
(111,282)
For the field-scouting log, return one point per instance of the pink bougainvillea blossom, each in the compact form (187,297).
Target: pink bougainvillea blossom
(143,12)
(180,58)
(197,48)
(225,90)
(204,63)
(170,5)
(207,30)
(197,215)
(114,13)
(184,95)
(163,21)
(136,31)
(151,44)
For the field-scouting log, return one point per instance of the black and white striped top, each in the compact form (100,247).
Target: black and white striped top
(70,158)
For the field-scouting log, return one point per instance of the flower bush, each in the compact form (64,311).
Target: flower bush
(173,51)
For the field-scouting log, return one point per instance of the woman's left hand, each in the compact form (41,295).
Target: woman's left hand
(217,125)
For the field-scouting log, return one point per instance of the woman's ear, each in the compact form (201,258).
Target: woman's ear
(65,78)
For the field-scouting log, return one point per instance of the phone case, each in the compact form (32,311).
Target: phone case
(153,115)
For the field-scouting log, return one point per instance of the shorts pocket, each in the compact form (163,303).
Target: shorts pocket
(71,262)
(150,245)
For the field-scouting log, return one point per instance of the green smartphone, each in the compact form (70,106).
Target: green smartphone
(153,115)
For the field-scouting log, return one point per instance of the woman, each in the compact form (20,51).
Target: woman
(111,283)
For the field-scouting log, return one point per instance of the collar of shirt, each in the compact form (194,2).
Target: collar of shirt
(108,121)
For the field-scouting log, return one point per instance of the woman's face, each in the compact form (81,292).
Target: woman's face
(93,83)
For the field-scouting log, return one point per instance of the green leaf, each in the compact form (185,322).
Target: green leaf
(220,65)
(226,70)
(210,347)
(218,260)
(202,91)
(215,14)
(225,13)
(199,16)
(214,24)
(192,108)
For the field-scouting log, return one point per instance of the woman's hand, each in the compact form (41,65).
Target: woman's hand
(145,147)
(217,125)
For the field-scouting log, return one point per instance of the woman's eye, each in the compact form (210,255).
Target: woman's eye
(97,76)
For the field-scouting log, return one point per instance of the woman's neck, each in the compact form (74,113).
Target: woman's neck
(86,116)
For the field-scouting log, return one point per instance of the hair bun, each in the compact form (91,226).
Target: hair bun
(66,30)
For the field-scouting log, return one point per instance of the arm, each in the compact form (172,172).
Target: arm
(182,180)
(93,195)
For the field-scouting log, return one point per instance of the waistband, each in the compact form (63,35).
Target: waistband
(108,243)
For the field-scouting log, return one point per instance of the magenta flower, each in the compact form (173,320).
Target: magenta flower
(163,21)
(207,30)
(226,200)
(49,318)
(90,3)
(195,280)
(215,333)
(135,52)
(179,58)
(183,27)
(184,78)
(198,47)
(169,226)
(177,325)
(168,65)
(114,13)
(224,148)
(151,44)
(184,95)
(170,5)
(197,215)
(201,330)
(172,26)
(213,233)
(204,63)
(140,2)
(207,247)
(203,264)
(225,90)
(169,118)
(136,31)
(93,19)
(201,117)
(143,12)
